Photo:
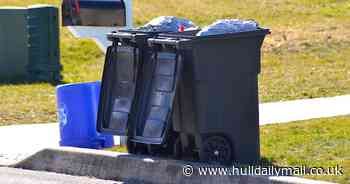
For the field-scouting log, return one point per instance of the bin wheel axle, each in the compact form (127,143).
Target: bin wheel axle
(216,149)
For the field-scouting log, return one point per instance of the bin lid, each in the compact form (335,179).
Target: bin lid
(13,10)
(188,40)
(141,110)
(159,99)
(117,90)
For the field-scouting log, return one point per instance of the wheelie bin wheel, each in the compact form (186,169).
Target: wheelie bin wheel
(131,146)
(216,149)
(135,148)
(160,150)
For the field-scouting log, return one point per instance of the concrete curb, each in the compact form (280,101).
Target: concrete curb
(8,160)
(131,168)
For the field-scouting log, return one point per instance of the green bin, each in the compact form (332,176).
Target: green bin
(13,43)
(30,44)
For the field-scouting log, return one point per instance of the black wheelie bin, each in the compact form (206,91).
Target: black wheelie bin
(215,109)
(126,83)
(122,82)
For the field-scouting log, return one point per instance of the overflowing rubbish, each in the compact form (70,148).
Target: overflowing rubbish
(168,24)
(225,26)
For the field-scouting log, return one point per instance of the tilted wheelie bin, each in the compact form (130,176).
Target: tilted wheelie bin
(123,67)
(127,78)
(214,95)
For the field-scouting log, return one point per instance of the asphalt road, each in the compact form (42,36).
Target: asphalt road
(19,176)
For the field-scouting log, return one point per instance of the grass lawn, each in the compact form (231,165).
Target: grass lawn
(305,57)
(312,143)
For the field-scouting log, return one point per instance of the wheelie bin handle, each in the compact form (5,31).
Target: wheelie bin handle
(120,35)
(155,41)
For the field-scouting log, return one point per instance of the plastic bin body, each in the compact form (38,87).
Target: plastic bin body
(126,70)
(13,43)
(29,44)
(154,117)
(127,77)
(123,72)
(77,106)
(127,87)
(43,43)
(217,96)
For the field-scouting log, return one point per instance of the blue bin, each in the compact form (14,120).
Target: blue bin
(77,106)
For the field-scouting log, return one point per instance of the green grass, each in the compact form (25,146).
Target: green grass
(121,149)
(305,57)
(35,103)
(311,143)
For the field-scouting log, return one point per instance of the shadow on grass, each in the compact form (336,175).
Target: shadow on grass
(23,81)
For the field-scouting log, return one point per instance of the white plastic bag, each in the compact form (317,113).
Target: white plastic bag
(168,24)
(225,26)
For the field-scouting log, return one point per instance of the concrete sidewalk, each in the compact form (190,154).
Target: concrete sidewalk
(19,141)
(98,34)
(284,112)
(20,176)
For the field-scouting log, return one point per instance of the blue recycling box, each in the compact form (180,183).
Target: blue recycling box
(77,106)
